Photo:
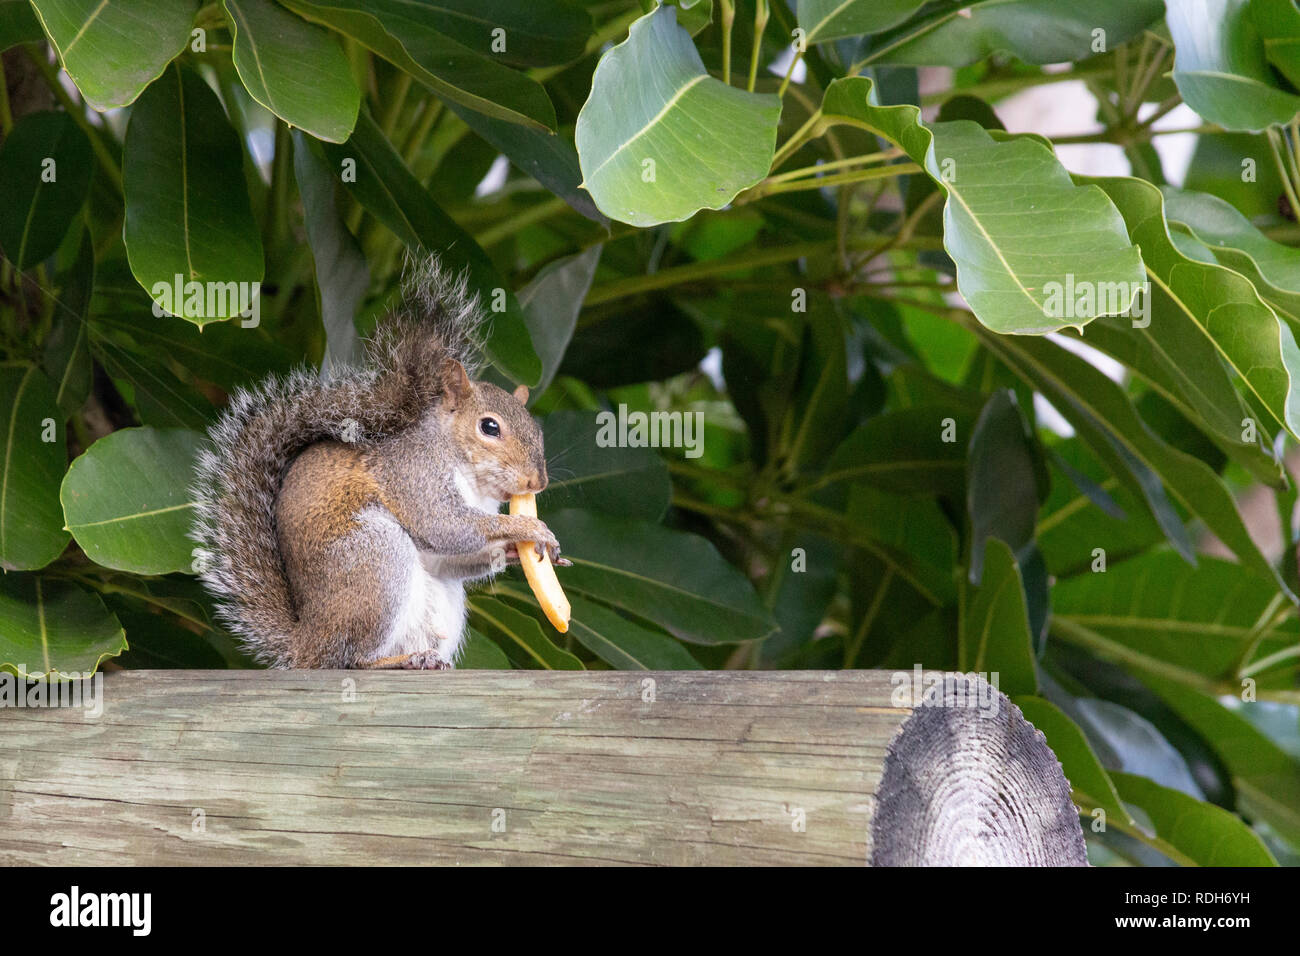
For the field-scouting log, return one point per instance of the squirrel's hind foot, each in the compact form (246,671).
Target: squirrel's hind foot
(418,661)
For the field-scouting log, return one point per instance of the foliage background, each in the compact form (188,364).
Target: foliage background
(852,293)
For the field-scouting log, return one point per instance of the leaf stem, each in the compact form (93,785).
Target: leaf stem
(1275,144)
(821,168)
(6,116)
(728,17)
(761,14)
(789,70)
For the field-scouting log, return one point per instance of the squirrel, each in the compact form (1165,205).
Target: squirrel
(339,519)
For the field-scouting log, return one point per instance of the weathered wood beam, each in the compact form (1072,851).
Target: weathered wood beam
(475,767)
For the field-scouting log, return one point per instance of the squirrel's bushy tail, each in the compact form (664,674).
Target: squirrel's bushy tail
(264,428)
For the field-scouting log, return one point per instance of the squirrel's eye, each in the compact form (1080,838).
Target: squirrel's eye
(489,427)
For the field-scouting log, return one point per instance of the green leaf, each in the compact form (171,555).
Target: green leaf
(45,164)
(551,304)
(53,628)
(114,49)
(824,20)
(1088,779)
(187,210)
(659,138)
(1035,31)
(159,641)
(1002,487)
(127,502)
(600,476)
(675,580)
(342,276)
(1002,219)
(159,398)
(1267,779)
(519,635)
(549,158)
(1088,398)
(66,355)
(1273,268)
(271,47)
(995,636)
(1206,834)
(18,24)
(618,642)
(537,33)
(904,452)
(479,653)
(1221,68)
(1278,23)
(1156,609)
(31,526)
(387,189)
(404,34)
(1216,303)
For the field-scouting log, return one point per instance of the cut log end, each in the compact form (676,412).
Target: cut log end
(967,785)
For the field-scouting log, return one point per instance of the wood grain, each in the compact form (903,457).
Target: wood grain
(523,767)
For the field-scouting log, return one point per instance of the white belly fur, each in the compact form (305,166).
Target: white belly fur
(433,615)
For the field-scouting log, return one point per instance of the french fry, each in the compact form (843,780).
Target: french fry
(539,571)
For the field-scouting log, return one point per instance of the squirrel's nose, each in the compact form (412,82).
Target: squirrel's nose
(538,482)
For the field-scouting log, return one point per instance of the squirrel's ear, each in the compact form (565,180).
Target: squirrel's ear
(455,378)
(521,394)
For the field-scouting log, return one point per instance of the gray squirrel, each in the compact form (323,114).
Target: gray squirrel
(338,520)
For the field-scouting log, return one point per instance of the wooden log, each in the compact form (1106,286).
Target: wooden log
(530,767)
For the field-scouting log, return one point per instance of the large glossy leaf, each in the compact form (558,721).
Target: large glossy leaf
(1127,741)
(1157,610)
(1208,300)
(1035,31)
(272,46)
(904,452)
(631,482)
(187,209)
(536,33)
(824,20)
(1088,779)
(994,637)
(1221,68)
(1088,398)
(675,580)
(113,49)
(342,275)
(1002,487)
(126,499)
(1002,219)
(1267,779)
(1272,267)
(34,456)
(53,627)
(404,34)
(387,189)
(550,158)
(519,635)
(551,304)
(45,165)
(659,138)
(1206,834)
(479,653)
